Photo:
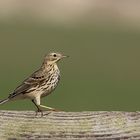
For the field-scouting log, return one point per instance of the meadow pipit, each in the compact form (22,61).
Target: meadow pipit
(40,84)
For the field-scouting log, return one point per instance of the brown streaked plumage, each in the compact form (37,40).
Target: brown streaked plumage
(41,83)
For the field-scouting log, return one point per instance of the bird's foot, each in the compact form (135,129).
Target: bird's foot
(39,110)
(42,114)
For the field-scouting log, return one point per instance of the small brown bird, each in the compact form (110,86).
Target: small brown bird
(40,84)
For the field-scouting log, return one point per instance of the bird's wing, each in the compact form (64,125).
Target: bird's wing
(30,83)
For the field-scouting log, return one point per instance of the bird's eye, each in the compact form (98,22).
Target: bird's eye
(54,55)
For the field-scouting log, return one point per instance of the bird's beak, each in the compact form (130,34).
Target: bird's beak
(63,56)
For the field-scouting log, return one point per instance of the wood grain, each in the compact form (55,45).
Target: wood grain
(17,125)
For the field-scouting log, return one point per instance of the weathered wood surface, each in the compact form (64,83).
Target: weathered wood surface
(18,125)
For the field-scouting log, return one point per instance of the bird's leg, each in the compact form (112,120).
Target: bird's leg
(38,109)
(36,101)
(47,107)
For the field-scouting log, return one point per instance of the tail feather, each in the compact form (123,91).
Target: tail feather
(4,101)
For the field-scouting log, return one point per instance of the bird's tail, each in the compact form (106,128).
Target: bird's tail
(4,101)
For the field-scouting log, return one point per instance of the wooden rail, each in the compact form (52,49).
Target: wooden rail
(18,125)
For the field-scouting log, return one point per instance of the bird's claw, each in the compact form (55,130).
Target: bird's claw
(39,110)
(53,109)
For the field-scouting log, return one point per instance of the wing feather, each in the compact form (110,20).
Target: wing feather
(30,83)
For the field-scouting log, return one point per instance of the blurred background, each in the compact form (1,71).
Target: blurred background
(101,37)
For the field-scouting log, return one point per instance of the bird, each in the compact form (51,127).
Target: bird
(39,84)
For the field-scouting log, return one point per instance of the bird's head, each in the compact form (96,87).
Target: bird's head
(52,58)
